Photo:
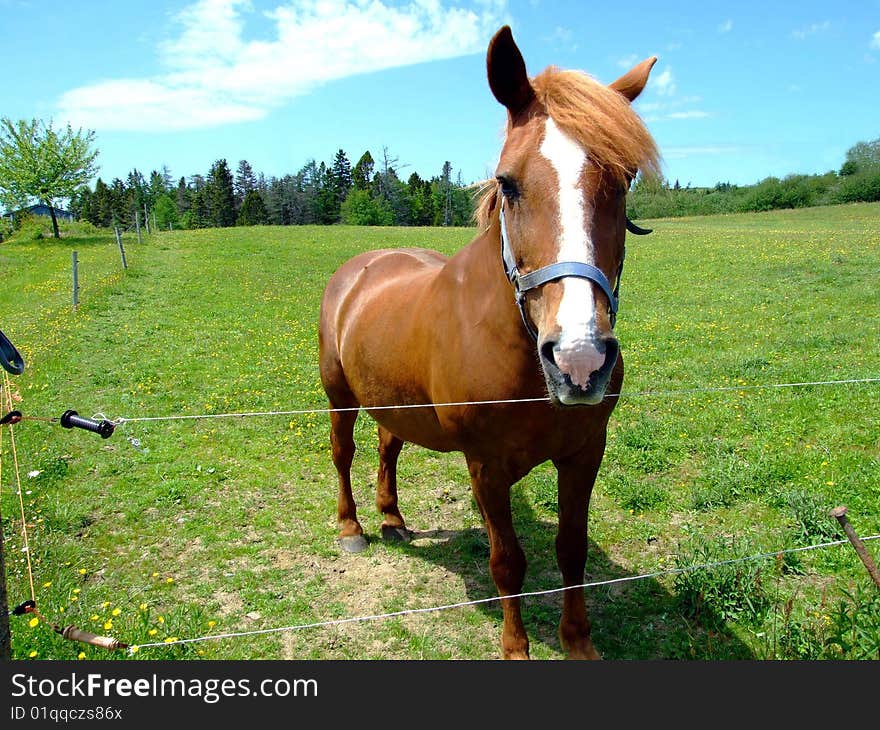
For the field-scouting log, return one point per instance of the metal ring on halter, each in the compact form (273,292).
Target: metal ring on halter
(11,361)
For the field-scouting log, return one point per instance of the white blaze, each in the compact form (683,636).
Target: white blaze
(577,308)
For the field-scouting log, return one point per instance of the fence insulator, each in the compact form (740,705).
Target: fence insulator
(71,419)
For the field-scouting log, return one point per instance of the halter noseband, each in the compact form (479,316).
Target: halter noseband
(523,283)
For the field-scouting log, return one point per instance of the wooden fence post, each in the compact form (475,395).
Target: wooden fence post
(75,281)
(121,248)
(137,224)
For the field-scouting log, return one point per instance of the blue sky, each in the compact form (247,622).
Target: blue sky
(742,90)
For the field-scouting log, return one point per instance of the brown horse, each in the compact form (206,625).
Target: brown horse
(408,327)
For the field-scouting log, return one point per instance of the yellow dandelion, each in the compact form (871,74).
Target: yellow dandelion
(116,611)
(76,590)
(47,584)
(152,632)
(81,655)
(170,639)
(134,649)
(211,624)
(105,604)
(155,575)
(169,579)
(160,619)
(143,607)
(108,624)
(82,571)
(33,622)
(32,654)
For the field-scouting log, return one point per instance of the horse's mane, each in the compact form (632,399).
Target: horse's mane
(599,118)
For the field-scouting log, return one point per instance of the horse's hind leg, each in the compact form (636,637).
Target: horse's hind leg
(351,535)
(393,527)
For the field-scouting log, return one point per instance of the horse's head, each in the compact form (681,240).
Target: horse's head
(572,147)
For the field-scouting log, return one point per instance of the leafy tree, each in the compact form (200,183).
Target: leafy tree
(81,203)
(862,155)
(360,208)
(39,163)
(253,210)
(418,193)
(165,210)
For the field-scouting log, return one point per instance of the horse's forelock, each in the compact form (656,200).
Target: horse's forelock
(601,120)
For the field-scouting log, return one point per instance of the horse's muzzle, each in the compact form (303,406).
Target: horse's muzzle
(578,377)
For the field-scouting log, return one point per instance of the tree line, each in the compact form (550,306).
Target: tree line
(40,163)
(368,193)
(857,180)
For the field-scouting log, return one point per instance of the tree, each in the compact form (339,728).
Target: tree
(360,208)
(362,175)
(253,210)
(102,206)
(862,155)
(341,177)
(221,195)
(39,163)
(165,210)
(245,181)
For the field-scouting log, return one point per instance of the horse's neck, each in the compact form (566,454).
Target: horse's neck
(479,268)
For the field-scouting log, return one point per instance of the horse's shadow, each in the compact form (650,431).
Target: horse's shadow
(631,619)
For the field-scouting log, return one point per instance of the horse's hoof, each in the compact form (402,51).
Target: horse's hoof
(353,543)
(396,534)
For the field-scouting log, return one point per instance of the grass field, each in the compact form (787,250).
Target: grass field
(188,528)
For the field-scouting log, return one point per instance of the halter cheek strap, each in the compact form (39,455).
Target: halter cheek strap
(523,283)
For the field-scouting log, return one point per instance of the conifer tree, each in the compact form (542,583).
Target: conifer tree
(220,197)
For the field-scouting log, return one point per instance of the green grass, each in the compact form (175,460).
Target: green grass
(228,525)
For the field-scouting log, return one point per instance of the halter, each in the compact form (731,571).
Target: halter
(523,283)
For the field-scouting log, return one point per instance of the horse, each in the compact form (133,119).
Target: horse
(509,343)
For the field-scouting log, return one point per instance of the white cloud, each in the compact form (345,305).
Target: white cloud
(663,83)
(875,40)
(802,33)
(692,114)
(627,62)
(214,75)
(726,26)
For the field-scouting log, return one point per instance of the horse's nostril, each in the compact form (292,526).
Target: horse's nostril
(547,352)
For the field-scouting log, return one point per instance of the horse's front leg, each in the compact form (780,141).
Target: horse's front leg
(576,479)
(507,562)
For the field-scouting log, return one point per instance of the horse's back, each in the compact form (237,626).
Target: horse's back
(374,276)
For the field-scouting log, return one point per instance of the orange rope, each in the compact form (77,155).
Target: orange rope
(27,549)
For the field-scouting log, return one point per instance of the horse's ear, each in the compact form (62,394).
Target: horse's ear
(507,73)
(633,81)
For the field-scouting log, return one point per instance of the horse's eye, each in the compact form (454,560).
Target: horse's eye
(508,188)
